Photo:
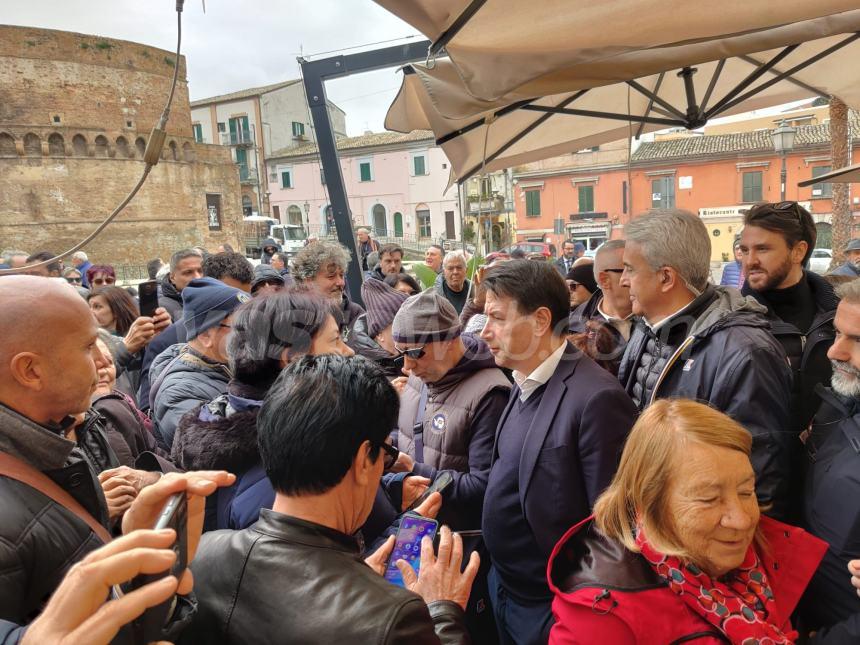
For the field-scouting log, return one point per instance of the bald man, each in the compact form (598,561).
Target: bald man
(48,372)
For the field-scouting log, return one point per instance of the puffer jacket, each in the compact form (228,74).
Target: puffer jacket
(363,345)
(723,353)
(807,353)
(288,580)
(458,427)
(39,539)
(831,511)
(604,593)
(181,380)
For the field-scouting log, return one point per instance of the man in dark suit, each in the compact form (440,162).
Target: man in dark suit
(557,445)
(568,257)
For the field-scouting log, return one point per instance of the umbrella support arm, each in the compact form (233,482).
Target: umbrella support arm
(314,75)
(606,115)
(445,37)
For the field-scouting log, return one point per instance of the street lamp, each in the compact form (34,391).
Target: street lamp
(307,218)
(783,143)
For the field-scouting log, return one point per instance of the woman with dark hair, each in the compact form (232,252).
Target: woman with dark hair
(403,282)
(114,309)
(100,276)
(268,333)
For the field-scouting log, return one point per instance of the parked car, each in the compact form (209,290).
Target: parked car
(548,251)
(820,260)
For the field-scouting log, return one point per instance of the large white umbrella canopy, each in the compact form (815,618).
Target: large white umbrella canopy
(526,81)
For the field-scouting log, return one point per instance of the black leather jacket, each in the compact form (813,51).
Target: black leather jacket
(284,580)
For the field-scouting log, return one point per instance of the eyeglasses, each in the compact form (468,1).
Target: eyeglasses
(572,285)
(107,280)
(390,456)
(73,280)
(415,353)
(790,209)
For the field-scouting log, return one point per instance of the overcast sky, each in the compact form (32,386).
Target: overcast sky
(240,44)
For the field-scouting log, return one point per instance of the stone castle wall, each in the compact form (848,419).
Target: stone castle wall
(75,114)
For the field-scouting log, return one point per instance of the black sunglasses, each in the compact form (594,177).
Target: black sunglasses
(415,353)
(791,209)
(390,456)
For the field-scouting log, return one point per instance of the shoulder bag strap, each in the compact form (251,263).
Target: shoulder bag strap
(19,471)
(418,426)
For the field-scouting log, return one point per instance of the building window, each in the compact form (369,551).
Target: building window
(486,188)
(586,199)
(298,129)
(198,132)
(532,203)
(365,170)
(663,192)
(423,219)
(823,189)
(286,179)
(752,187)
(222,127)
(419,165)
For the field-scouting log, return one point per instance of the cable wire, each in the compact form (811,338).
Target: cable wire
(151,156)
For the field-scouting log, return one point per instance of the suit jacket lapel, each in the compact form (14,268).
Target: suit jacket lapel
(543,419)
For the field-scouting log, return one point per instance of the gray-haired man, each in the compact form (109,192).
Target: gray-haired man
(706,343)
(321,266)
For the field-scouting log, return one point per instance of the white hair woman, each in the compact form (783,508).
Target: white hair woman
(677,548)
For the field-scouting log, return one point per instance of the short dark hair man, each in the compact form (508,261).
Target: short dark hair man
(153,267)
(185,266)
(708,343)
(776,242)
(322,432)
(557,445)
(279,263)
(568,257)
(831,503)
(52,270)
(390,261)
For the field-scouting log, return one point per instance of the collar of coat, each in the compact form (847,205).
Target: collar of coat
(41,447)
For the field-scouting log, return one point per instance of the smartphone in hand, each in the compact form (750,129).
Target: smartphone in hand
(439,484)
(407,545)
(149,626)
(148,294)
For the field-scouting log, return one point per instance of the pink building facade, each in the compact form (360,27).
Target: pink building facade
(396,185)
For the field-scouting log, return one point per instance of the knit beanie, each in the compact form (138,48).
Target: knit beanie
(584,275)
(206,302)
(381,303)
(426,318)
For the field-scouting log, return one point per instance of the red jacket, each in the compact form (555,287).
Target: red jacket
(608,595)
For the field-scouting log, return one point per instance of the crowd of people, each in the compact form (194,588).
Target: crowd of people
(630,453)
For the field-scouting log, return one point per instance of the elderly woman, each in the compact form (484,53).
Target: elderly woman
(100,275)
(677,549)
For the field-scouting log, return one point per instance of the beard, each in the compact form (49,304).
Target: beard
(845,380)
(776,277)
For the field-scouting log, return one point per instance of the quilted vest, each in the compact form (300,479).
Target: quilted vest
(448,416)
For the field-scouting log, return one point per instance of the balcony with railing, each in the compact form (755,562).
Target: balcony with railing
(239,138)
(486,205)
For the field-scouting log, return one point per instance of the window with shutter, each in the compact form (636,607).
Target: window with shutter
(752,186)
(586,199)
(532,203)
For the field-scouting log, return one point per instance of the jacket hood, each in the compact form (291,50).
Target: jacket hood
(270,241)
(170,291)
(728,309)
(209,437)
(477,357)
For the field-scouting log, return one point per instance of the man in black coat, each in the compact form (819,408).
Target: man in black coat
(185,266)
(831,504)
(776,243)
(48,372)
(705,343)
(556,447)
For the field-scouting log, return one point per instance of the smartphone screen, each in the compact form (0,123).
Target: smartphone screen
(407,545)
(148,294)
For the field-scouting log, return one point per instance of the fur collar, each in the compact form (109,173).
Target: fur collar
(226,443)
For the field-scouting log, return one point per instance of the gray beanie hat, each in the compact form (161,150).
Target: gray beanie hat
(426,318)
(382,303)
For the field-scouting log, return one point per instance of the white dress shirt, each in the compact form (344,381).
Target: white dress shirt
(540,375)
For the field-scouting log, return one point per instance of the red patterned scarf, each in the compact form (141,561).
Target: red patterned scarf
(741,605)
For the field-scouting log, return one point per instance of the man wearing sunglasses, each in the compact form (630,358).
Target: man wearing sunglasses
(776,243)
(450,405)
(608,314)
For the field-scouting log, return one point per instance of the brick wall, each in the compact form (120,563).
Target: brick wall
(59,180)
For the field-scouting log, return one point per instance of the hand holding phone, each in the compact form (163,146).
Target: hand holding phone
(439,484)
(407,545)
(148,294)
